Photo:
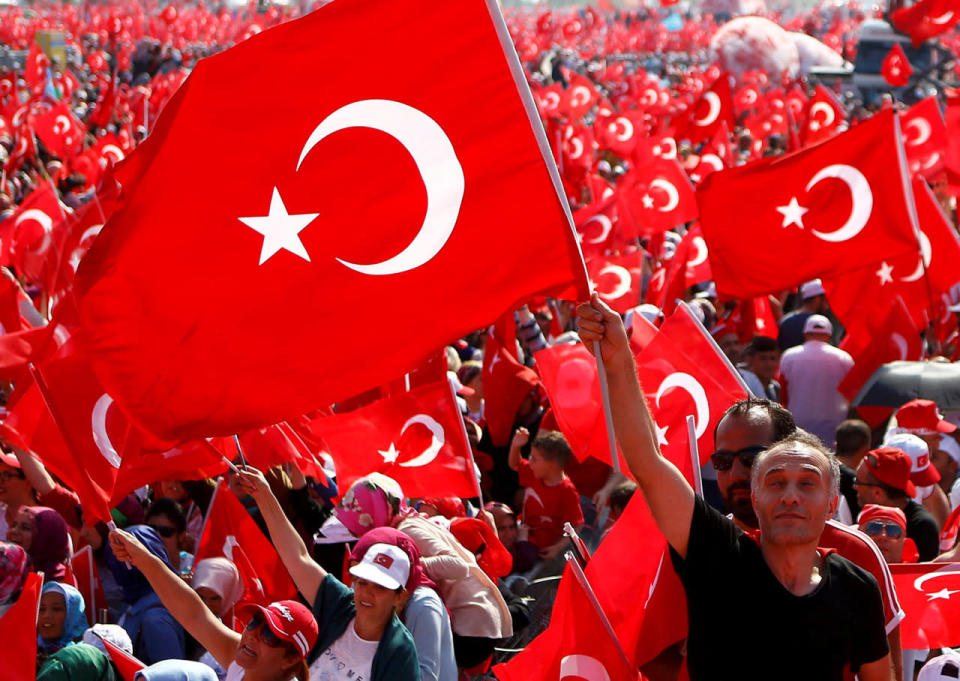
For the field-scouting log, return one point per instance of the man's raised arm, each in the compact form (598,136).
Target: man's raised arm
(667,493)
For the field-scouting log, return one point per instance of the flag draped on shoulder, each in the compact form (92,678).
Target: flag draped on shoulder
(215,303)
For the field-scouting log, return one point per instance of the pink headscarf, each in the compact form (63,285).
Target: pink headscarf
(388,535)
(372,501)
(13,570)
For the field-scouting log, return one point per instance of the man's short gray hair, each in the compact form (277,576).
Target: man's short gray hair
(802,439)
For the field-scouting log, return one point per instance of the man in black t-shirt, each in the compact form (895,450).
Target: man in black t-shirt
(762,606)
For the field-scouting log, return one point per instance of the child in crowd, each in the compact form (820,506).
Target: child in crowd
(551,499)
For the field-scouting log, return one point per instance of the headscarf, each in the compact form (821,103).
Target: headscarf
(372,501)
(176,670)
(49,547)
(135,586)
(220,576)
(78,663)
(13,571)
(388,535)
(75,622)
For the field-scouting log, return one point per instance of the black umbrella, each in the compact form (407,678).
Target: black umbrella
(896,383)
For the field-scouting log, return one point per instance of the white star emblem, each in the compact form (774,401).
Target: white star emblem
(942,594)
(792,213)
(647,201)
(661,435)
(389,454)
(885,273)
(695,177)
(279,229)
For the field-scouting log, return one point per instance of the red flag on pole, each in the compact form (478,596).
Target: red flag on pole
(417,438)
(272,260)
(930,602)
(896,69)
(126,664)
(840,205)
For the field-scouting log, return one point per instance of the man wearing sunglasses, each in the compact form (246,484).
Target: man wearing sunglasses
(888,528)
(755,602)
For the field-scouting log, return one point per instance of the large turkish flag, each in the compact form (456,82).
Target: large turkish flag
(820,212)
(228,295)
(931,604)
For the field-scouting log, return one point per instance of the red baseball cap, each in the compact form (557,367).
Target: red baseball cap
(922,416)
(892,467)
(290,620)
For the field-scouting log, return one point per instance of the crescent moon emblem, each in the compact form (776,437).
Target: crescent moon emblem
(436,442)
(713,160)
(44,220)
(713,100)
(551,100)
(579,96)
(673,196)
(931,161)
(657,279)
(693,388)
(861,195)
(98,425)
(922,126)
(113,151)
(605,224)
(649,97)
(829,115)
(607,193)
(532,494)
(701,247)
(901,344)
(436,160)
(943,18)
(671,151)
(750,96)
(919,581)
(61,124)
(627,129)
(623,281)
(926,255)
(577,147)
(584,667)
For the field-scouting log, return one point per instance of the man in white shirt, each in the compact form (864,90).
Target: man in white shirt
(811,373)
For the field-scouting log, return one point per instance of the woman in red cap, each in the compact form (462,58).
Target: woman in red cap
(272,647)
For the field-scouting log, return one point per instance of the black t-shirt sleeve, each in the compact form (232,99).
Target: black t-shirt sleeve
(713,537)
(870,643)
(922,528)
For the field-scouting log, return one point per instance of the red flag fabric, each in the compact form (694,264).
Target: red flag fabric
(824,116)
(506,384)
(18,631)
(596,226)
(417,438)
(697,268)
(231,532)
(84,571)
(705,117)
(61,133)
(932,608)
(896,69)
(825,210)
(655,197)
(271,264)
(925,19)
(924,137)
(952,118)
(578,643)
(126,664)
(569,374)
(929,270)
(33,232)
(617,279)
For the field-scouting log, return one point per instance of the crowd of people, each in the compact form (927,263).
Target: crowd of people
(805,500)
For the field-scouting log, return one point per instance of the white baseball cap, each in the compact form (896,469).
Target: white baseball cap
(384,564)
(922,471)
(817,323)
(811,289)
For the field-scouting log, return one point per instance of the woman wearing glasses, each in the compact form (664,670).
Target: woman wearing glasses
(273,645)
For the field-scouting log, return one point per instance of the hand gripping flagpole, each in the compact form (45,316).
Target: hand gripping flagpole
(582,578)
(607,414)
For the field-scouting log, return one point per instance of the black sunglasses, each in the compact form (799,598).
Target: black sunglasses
(875,527)
(722,459)
(258,621)
(163,530)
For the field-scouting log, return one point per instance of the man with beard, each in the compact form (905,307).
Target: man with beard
(748,428)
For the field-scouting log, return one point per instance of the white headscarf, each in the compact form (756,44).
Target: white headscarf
(220,576)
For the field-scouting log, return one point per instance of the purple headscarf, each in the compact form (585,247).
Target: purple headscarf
(388,535)
(13,570)
(49,546)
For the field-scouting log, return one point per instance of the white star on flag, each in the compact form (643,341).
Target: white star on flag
(942,594)
(279,229)
(647,201)
(661,434)
(792,213)
(885,273)
(389,454)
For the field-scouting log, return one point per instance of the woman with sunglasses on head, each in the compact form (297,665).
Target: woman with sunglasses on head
(273,645)
(360,634)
